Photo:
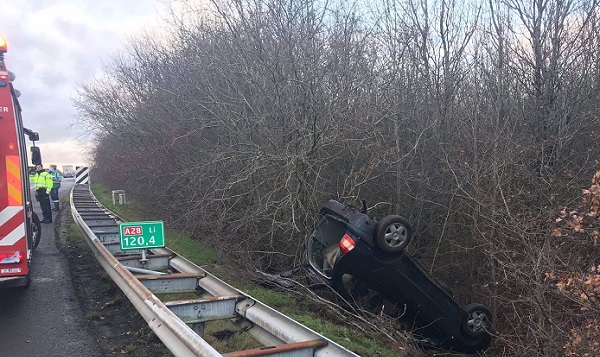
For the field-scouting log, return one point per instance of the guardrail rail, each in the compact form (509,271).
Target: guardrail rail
(180,324)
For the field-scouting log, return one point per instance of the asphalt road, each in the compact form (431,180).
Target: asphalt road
(45,319)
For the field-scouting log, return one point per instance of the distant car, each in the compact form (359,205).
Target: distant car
(364,261)
(69,175)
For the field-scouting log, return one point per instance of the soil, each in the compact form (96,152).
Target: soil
(111,318)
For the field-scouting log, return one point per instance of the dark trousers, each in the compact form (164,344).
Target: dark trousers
(44,201)
(54,196)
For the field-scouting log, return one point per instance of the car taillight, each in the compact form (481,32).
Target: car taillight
(347,244)
(10,257)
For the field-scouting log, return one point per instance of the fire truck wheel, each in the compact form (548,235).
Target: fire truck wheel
(36,229)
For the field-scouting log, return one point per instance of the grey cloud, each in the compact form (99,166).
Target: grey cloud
(51,62)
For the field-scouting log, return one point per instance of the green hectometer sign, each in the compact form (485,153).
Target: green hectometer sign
(141,235)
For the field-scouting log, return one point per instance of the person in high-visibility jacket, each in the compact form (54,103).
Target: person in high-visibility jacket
(43,185)
(56,178)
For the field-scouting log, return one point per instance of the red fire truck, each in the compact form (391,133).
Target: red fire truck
(20,227)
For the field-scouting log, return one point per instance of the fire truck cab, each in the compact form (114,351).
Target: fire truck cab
(20,227)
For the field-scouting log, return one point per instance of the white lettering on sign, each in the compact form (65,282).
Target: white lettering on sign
(132,231)
(4,109)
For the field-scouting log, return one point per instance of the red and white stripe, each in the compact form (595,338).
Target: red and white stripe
(16,233)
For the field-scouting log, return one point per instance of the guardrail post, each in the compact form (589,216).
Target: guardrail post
(198,328)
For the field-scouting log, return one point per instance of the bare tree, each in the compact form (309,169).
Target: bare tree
(474,122)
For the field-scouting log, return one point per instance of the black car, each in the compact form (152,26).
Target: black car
(365,262)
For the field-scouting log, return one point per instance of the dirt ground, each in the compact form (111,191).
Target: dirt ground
(113,320)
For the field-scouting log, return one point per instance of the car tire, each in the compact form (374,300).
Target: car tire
(27,281)
(478,322)
(393,233)
(36,229)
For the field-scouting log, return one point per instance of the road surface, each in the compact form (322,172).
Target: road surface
(45,319)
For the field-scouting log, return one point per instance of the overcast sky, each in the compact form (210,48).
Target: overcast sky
(56,45)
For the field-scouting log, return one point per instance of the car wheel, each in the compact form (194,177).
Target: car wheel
(393,234)
(479,320)
(36,230)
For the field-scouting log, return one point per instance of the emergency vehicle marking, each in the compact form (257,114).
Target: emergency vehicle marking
(14,236)
(15,211)
(13,179)
(8,213)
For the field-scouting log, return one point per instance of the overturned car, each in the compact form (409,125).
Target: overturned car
(364,261)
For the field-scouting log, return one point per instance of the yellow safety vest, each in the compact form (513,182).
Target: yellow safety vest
(42,180)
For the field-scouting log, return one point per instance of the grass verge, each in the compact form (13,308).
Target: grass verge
(287,303)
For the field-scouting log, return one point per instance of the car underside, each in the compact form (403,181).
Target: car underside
(364,260)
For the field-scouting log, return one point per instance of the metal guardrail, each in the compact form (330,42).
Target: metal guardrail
(180,324)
